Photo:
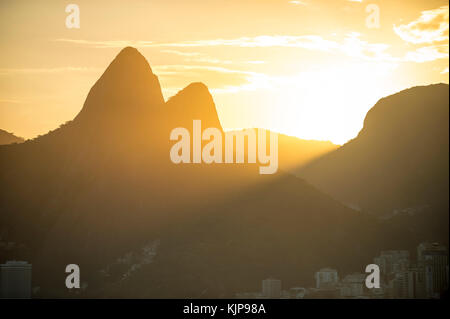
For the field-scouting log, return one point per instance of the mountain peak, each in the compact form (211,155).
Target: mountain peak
(196,91)
(129,51)
(396,112)
(199,87)
(194,102)
(127,91)
(130,57)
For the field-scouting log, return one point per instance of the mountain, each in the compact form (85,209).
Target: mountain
(101,192)
(398,163)
(294,152)
(9,138)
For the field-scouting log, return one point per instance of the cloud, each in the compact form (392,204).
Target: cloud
(187,54)
(255,62)
(430,32)
(262,41)
(350,45)
(295,2)
(47,70)
(108,43)
(355,47)
(219,79)
(11,101)
(305,41)
(445,71)
(431,26)
(427,54)
(197,57)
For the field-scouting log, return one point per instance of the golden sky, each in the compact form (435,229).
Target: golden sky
(309,68)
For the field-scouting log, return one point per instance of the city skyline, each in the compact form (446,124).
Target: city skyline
(426,277)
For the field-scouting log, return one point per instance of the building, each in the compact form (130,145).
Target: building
(297,293)
(15,279)
(404,285)
(428,281)
(392,261)
(352,286)
(324,293)
(433,259)
(417,272)
(271,288)
(326,278)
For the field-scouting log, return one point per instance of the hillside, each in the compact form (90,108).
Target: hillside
(398,161)
(9,138)
(101,192)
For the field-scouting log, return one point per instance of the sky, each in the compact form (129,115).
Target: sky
(309,68)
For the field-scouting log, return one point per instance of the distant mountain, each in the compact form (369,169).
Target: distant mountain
(398,163)
(295,152)
(100,191)
(9,138)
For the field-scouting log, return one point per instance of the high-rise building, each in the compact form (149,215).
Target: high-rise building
(428,281)
(392,261)
(271,288)
(404,285)
(15,279)
(417,272)
(352,286)
(433,258)
(326,278)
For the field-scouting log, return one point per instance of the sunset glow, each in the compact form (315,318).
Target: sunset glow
(274,64)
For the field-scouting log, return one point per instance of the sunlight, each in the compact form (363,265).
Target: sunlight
(331,103)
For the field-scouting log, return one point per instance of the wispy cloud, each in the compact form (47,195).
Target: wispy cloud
(355,47)
(351,45)
(108,43)
(429,33)
(428,53)
(431,26)
(218,79)
(11,101)
(197,57)
(180,53)
(305,41)
(296,2)
(47,70)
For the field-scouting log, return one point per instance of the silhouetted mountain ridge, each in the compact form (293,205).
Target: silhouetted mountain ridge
(128,91)
(103,185)
(398,161)
(201,107)
(9,138)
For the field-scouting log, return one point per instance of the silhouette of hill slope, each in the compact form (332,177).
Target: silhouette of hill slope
(9,138)
(103,186)
(399,160)
(295,152)
(397,167)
